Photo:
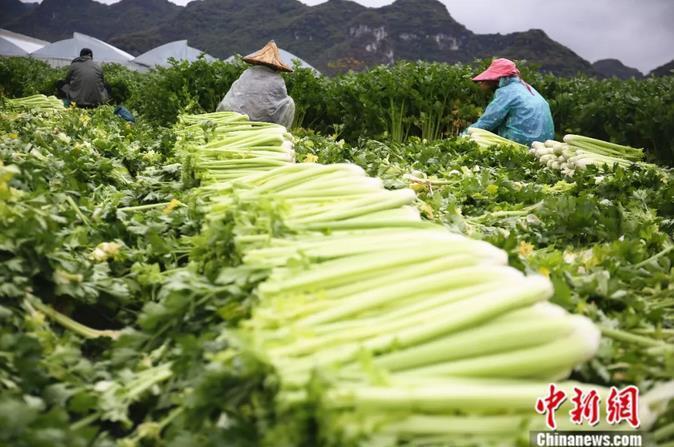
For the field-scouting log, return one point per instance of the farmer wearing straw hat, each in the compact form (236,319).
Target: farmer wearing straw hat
(260,92)
(517,112)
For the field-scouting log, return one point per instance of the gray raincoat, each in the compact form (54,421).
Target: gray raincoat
(260,93)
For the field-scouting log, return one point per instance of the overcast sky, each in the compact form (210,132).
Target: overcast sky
(638,32)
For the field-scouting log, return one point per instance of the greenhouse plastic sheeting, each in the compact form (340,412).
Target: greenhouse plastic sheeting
(178,50)
(15,44)
(61,53)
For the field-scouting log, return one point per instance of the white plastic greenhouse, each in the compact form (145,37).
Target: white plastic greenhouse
(61,53)
(178,50)
(15,44)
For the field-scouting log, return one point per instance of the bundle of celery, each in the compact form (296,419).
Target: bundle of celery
(486,139)
(577,152)
(416,335)
(398,330)
(36,102)
(386,302)
(226,145)
(413,334)
(308,197)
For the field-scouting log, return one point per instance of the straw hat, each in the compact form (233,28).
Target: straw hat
(269,56)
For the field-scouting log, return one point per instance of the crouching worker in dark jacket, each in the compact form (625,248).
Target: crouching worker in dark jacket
(84,83)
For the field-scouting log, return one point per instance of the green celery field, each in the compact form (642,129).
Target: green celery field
(366,278)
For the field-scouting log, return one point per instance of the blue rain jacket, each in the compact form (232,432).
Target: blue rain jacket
(518,114)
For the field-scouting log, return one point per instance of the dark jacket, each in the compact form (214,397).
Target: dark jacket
(85,84)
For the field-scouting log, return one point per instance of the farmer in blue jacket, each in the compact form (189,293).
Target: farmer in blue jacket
(517,112)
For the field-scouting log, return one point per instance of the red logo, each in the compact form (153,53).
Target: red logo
(623,406)
(585,407)
(550,404)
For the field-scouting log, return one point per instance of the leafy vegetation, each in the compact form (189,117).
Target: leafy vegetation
(428,100)
(83,239)
(127,267)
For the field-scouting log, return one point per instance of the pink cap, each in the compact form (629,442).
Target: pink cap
(498,69)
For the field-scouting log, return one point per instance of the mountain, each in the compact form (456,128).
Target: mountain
(334,36)
(133,15)
(339,34)
(613,68)
(534,46)
(57,19)
(221,27)
(13,9)
(663,70)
